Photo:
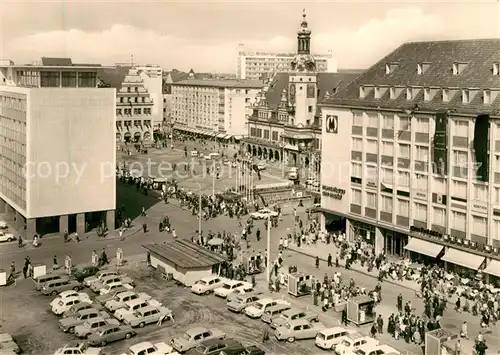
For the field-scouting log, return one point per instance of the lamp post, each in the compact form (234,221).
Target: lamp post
(213,179)
(268,266)
(199,211)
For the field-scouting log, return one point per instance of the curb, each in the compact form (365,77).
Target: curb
(355,270)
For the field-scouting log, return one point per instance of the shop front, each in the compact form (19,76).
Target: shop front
(423,252)
(363,230)
(464,264)
(394,242)
(493,272)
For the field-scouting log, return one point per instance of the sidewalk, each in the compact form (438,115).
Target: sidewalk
(322,250)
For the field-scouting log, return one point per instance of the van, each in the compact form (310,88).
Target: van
(55,287)
(327,339)
(40,281)
(274,311)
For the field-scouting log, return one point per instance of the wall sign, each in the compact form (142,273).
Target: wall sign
(420,195)
(333,192)
(332,124)
(479,207)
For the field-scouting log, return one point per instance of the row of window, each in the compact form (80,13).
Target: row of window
(137,111)
(137,123)
(68,79)
(135,99)
(18,103)
(259,133)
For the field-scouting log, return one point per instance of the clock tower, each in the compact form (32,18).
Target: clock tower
(302,86)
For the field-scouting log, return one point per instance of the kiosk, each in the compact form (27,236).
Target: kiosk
(39,270)
(299,284)
(3,277)
(436,339)
(361,310)
(252,262)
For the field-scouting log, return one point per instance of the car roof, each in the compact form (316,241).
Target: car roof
(105,272)
(299,321)
(138,347)
(210,278)
(147,308)
(196,330)
(134,302)
(279,306)
(87,311)
(109,277)
(265,300)
(293,311)
(126,293)
(108,326)
(355,336)
(232,282)
(211,342)
(114,283)
(96,319)
(334,330)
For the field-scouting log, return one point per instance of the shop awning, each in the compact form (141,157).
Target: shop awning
(220,135)
(237,137)
(493,268)
(227,136)
(464,259)
(424,247)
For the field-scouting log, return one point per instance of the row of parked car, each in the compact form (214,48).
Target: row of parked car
(289,323)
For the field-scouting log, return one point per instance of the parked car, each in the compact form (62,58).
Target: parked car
(8,345)
(257,309)
(102,299)
(146,315)
(327,339)
(113,286)
(88,281)
(7,237)
(96,286)
(292,314)
(78,307)
(80,274)
(214,347)
(228,287)
(264,213)
(238,291)
(134,305)
(109,334)
(68,324)
(119,300)
(40,281)
(80,349)
(298,329)
(65,304)
(90,325)
(65,294)
(240,303)
(55,287)
(274,311)
(369,349)
(206,285)
(352,342)
(195,336)
(3,225)
(148,348)
(244,350)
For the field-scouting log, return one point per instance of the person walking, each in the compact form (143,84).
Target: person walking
(317,262)
(265,334)
(330,260)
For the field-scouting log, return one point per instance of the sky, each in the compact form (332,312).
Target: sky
(205,35)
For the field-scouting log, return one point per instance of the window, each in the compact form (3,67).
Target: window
(409,94)
(357,144)
(386,204)
(387,176)
(404,123)
(371,173)
(309,109)
(266,134)
(420,212)
(496,68)
(438,186)
(458,220)
(496,229)
(479,225)
(147,111)
(357,119)
(361,92)
(356,196)
(404,151)
(480,193)
(388,121)
(439,216)
(357,170)
(68,79)
(373,120)
(460,158)
(445,95)
(427,94)
(422,124)
(387,148)
(376,95)
(403,208)
(275,136)
(486,96)
(421,153)
(420,182)
(118,111)
(371,200)
(392,93)
(461,128)
(420,69)
(465,96)
(403,179)
(371,146)
(137,111)
(459,189)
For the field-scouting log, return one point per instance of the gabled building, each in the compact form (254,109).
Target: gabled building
(421,132)
(285,124)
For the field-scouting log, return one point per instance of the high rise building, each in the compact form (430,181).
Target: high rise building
(415,142)
(57,145)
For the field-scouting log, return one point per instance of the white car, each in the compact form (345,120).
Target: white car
(352,342)
(7,237)
(3,225)
(65,304)
(148,348)
(131,306)
(206,285)
(88,281)
(120,299)
(229,286)
(258,308)
(113,286)
(84,297)
(329,338)
(238,291)
(80,349)
(369,349)
(264,213)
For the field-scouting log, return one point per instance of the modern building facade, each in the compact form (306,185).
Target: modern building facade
(255,65)
(412,148)
(214,108)
(56,143)
(285,124)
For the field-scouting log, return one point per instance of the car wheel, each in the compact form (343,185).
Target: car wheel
(142,324)
(103,343)
(206,293)
(291,339)
(332,348)
(53,293)
(71,330)
(10,240)
(129,335)
(76,288)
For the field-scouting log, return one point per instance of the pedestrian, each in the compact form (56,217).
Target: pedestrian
(337,259)
(458,347)
(463,330)
(174,233)
(120,233)
(344,316)
(380,324)
(55,265)
(400,302)
(317,262)
(330,260)
(25,271)
(161,319)
(257,234)
(373,331)
(265,334)
(143,213)
(144,227)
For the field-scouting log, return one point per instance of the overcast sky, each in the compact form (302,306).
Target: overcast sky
(204,35)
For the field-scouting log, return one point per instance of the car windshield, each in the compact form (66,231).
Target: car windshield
(346,343)
(360,352)
(186,336)
(284,316)
(202,282)
(321,336)
(127,307)
(288,326)
(259,305)
(84,348)
(227,286)
(201,349)
(61,303)
(87,325)
(130,352)
(137,314)
(239,300)
(116,298)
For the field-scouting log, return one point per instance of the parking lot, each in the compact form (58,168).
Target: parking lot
(27,316)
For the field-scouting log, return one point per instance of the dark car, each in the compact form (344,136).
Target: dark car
(80,274)
(243,350)
(214,347)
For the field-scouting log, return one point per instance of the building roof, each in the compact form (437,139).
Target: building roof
(113,77)
(185,254)
(177,75)
(223,83)
(62,62)
(474,57)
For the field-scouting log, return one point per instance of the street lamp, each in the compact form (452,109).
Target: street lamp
(213,179)
(268,266)
(199,210)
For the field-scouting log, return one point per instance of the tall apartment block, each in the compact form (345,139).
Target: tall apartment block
(57,145)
